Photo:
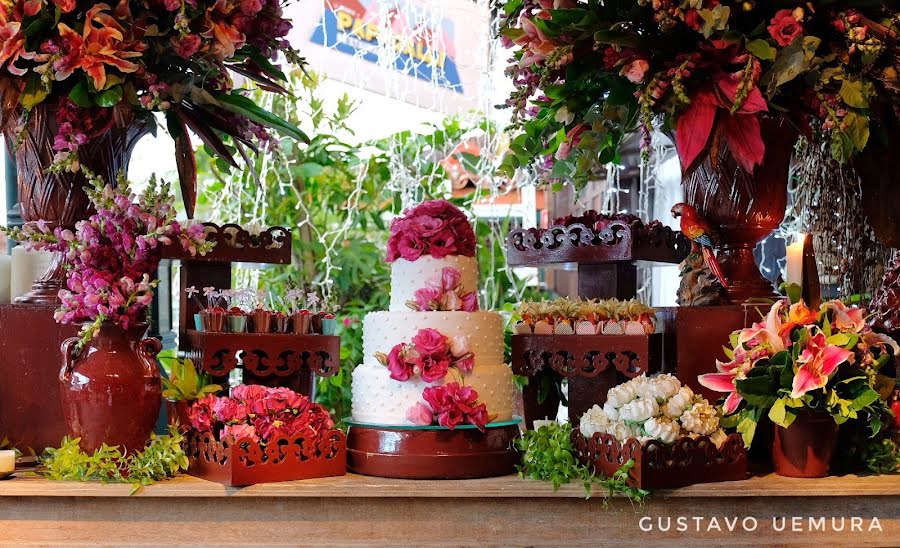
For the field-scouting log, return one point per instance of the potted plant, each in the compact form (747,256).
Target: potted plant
(182,388)
(81,82)
(110,380)
(735,83)
(809,371)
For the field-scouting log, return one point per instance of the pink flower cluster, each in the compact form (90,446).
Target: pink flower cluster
(453,404)
(112,255)
(436,228)
(430,355)
(261,415)
(814,363)
(444,292)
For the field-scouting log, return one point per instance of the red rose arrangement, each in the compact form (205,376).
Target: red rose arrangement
(453,404)
(436,228)
(444,293)
(261,415)
(430,355)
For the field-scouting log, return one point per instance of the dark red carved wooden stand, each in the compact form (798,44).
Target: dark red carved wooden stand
(270,359)
(433,453)
(607,262)
(592,364)
(660,466)
(244,462)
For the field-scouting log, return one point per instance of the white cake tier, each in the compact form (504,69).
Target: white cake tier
(409,276)
(484,330)
(379,399)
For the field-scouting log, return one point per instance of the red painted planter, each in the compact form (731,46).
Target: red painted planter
(804,449)
(110,389)
(179,412)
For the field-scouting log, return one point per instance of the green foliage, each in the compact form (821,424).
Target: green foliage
(549,455)
(163,457)
(882,456)
(184,383)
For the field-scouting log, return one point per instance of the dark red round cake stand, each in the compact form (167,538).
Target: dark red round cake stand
(433,452)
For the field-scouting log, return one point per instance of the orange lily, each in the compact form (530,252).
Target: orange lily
(13,44)
(97,47)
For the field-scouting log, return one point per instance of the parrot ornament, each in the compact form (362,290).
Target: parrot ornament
(701,235)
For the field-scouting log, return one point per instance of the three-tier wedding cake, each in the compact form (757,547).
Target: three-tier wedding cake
(433,358)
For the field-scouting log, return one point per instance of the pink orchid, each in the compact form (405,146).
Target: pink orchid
(845,318)
(420,414)
(817,362)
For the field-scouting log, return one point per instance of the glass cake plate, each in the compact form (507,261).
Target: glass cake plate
(496,424)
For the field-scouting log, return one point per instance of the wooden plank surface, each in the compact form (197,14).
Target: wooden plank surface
(356,486)
(509,511)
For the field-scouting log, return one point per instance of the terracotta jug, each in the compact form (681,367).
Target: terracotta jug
(110,389)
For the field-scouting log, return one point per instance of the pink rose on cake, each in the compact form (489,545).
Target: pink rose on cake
(444,292)
(455,404)
(430,355)
(436,228)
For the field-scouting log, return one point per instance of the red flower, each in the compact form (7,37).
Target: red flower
(455,404)
(248,392)
(230,410)
(187,45)
(433,368)
(239,431)
(436,228)
(201,413)
(784,27)
(430,341)
(400,369)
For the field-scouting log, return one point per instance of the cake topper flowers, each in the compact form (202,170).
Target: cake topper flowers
(430,355)
(437,228)
(449,405)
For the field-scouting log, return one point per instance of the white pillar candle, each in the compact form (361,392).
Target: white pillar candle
(5,278)
(27,266)
(794,274)
(7,461)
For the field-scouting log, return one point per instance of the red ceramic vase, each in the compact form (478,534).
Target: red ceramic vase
(179,412)
(110,389)
(804,449)
(743,208)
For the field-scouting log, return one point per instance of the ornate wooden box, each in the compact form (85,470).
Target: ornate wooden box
(244,462)
(592,364)
(660,466)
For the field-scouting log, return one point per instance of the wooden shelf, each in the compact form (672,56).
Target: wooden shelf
(362,510)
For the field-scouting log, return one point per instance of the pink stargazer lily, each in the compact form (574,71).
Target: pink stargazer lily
(846,318)
(768,332)
(732,371)
(817,362)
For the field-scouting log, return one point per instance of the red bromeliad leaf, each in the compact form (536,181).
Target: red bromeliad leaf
(727,89)
(693,129)
(744,139)
(187,169)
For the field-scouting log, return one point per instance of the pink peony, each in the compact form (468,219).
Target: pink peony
(430,341)
(420,414)
(240,431)
(784,27)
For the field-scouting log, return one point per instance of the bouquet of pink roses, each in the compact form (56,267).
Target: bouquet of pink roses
(112,255)
(261,415)
(436,228)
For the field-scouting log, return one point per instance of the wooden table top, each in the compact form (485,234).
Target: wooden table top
(356,486)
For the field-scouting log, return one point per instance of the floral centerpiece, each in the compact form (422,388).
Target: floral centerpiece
(99,65)
(436,228)
(112,256)
(587,72)
(653,408)
(260,415)
(799,363)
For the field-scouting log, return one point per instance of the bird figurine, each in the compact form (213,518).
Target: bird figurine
(701,235)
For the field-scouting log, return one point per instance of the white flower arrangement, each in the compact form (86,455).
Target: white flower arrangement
(653,408)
